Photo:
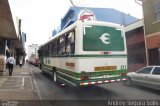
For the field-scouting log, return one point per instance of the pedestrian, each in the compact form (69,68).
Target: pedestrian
(20,61)
(10,62)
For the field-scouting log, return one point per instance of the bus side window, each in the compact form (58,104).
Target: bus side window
(54,46)
(46,48)
(61,46)
(50,49)
(70,45)
(43,51)
(51,46)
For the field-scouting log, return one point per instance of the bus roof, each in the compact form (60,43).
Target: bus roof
(80,22)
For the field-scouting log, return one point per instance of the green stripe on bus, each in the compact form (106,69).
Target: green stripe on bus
(91,74)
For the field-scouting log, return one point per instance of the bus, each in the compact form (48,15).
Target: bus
(86,53)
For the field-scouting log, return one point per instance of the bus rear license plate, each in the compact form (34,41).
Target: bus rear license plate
(104,68)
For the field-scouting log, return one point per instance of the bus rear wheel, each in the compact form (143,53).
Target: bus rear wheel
(55,79)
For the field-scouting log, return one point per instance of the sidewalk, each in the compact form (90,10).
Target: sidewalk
(19,86)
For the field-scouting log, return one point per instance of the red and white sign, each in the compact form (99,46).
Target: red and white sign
(86,15)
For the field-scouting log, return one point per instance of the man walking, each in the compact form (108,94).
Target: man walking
(10,62)
(20,61)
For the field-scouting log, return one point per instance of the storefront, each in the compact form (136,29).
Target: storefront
(153,46)
(136,49)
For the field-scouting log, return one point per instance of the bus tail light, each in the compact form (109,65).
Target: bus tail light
(84,75)
(123,74)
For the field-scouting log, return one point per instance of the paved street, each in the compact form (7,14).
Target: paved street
(48,90)
(82,43)
(28,83)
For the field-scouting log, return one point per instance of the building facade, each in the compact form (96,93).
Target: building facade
(10,34)
(98,14)
(151,13)
(33,51)
(136,49)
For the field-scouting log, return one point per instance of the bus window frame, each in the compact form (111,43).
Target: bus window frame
(70,43)
(61,45)
(58,48)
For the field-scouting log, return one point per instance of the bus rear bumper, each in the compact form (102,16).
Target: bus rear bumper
(88,83)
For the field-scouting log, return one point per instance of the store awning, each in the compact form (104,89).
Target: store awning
(7,28)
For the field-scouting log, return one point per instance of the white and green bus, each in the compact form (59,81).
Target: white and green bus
(86,53)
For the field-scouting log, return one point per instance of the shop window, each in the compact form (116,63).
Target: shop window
(153,56)
(157,10)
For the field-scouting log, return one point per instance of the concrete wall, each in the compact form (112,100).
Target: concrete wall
(151,25)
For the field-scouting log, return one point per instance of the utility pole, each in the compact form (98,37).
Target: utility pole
(72,2)
(139,2)
(77,3)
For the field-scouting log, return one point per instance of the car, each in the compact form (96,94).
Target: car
(148,76)
(36,62)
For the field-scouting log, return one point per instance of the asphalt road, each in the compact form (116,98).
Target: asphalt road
(48,90)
